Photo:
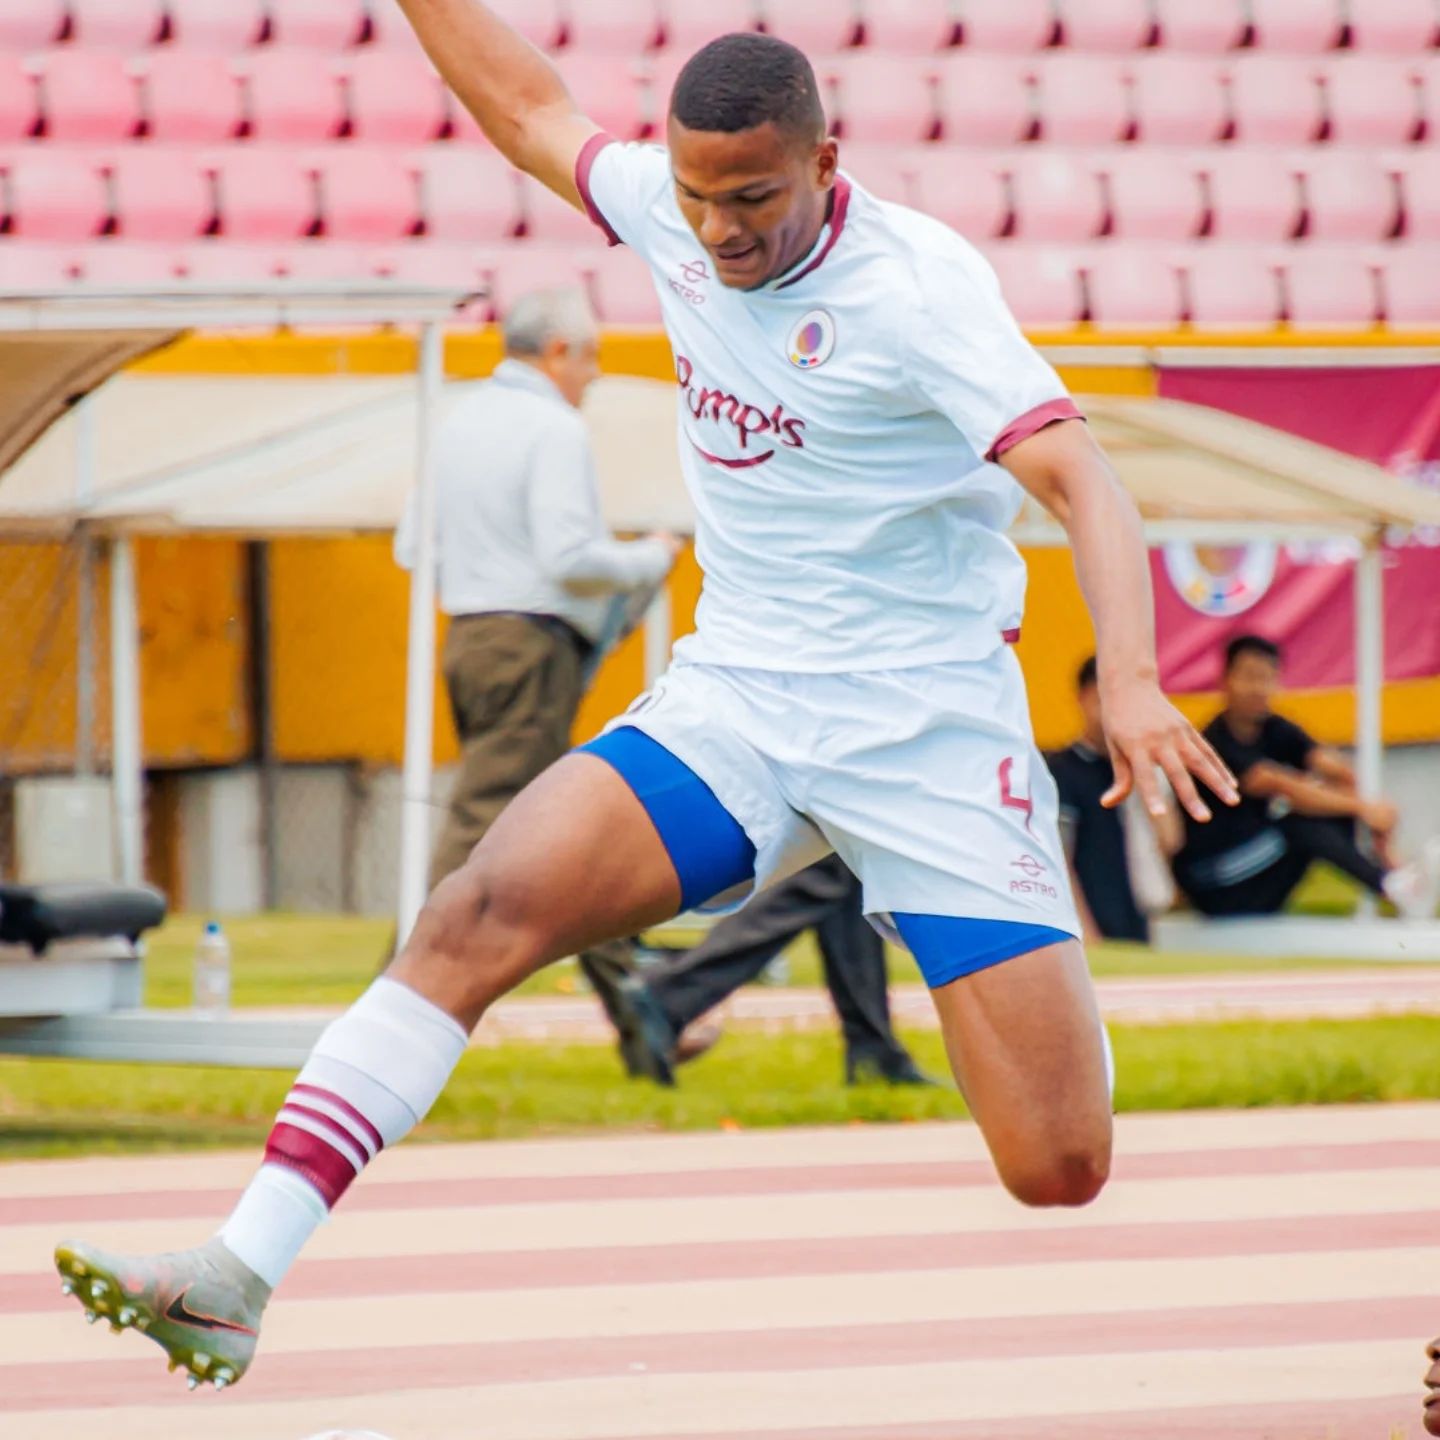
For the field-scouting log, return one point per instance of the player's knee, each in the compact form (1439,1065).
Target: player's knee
(1071,1176)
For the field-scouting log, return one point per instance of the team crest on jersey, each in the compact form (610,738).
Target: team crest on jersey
(812,341)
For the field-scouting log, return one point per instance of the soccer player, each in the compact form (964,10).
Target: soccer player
(858,416)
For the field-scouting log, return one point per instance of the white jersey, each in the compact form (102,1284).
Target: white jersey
(836,430)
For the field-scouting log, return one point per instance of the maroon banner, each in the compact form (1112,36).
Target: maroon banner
(1303,595)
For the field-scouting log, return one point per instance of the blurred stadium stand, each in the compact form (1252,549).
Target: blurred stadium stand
(1257,161)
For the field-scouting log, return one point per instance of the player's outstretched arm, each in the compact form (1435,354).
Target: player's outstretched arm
(511,89)
(1066,471)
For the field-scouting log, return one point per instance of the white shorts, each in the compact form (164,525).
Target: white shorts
(926,781)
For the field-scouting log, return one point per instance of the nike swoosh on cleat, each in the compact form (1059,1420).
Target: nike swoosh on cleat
(181,1314)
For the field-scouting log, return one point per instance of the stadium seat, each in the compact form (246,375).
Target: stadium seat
(1297,26)
(1420,182)
(1083,99)
(467,193)
(550,220)
(1016,25)
(908,27)
(1429,72)
(816,26)
(1348,196)
(1393,27)
(51,194)
(292,95)
(1254,195)
(1410,281)
(1133,288)
(1179,100)
(539,21)
(1230,287)
(111,265)
(324,260)
(688,25)
(264,193)
(512,270)
(1373,100)
(30,24)
(160,192)
(965,191)
(1054,198)
(1331,288)
(218,26)
(367,192)
(423,262)
(1042,284)
(116,24)
(619,27)
(189,95)
(19,99)
(608,91)
(87,95)
(1106,25)
(1153,195)
(621,288)
(880,169)
(1276,99)
(881,98)
(393,96)
(25,268)
(318,24)
(217,262)
(1201,29)
(985,99)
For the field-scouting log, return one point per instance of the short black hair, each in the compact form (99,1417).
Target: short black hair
(739,82)
(1087,675)
(1251,645)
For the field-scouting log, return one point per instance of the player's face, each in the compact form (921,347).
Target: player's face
(756,199)
(1250,686)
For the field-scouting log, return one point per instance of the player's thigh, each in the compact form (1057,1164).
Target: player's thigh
(1026,1044)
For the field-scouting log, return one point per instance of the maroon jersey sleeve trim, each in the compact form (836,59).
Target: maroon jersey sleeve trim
(1026,425)
(584,164)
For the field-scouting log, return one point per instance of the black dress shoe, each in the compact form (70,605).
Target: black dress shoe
(647,1039)
(884,1070)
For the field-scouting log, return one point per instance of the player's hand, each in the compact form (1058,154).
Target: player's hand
(1380,816)
(1147,733)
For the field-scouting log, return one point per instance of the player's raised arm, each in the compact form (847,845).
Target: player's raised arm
(1066,471)
(511,89)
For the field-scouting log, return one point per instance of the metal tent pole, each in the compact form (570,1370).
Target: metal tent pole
(126,756)
(1370,674)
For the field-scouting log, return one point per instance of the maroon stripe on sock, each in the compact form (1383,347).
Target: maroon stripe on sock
(340,1103)
(331,1124)
(312,1158)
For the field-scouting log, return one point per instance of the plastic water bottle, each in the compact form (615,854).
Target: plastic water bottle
(212,972)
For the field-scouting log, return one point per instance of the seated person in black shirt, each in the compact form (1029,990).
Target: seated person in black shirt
(1117,857)
(1299,803)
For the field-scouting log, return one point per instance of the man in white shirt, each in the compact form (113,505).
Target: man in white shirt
(853,393)
(527,567)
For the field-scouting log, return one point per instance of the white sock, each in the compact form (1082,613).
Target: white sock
(372,1077)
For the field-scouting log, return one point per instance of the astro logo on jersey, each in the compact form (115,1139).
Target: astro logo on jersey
(740,421)
(812,341)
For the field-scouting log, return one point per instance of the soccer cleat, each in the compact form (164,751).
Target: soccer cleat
(201,1307)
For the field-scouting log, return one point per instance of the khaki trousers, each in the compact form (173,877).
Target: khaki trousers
(515,685)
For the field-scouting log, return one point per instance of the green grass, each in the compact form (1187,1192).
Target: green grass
(64,1108)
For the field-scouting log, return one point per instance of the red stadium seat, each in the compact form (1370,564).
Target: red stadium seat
(619,27)
(881,98)
(53,194)
(908,27)
(1393,27)
(1255,195)
(1133,288)
(1153,195)
(160,193)
(1041,284)
(265,193)
(318,24)
(1056,197)
(26,268)
(1410,280)
(1420,181)
(220,26)
(985,99)
(518,268)
(292,95)
(964,191)
(1201,29)
(1232,287)
(1106,25)
(189,95)
(1331,288)
(551,220)
(1084,99)
(621,288)
(30,24)
(19,99)
(1348,196)
(608,90)
(368,193)
(1429,71)
(87,95)
(816,26)
(468,194)
(1179,100)
(393,96)
(1297,26)
(1276,99)
(116,24)
(1016,25)
(1373,101)
(688,25)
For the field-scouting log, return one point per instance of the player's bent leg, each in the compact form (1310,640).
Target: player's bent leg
(1028,1049)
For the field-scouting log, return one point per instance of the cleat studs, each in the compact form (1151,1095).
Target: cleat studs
(90,1317)
(220,1382)
(77,1267)
(67,1287)
(116,1327)
(224,1376)
(142,1323)
(127,1315)
(171,1367)
(192,1382)
(200,1363)
(99,1289)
